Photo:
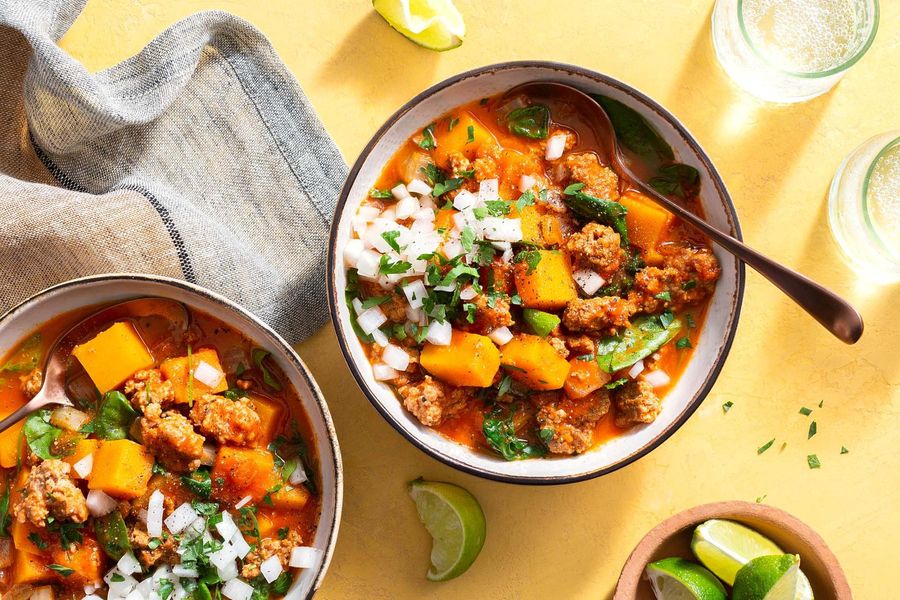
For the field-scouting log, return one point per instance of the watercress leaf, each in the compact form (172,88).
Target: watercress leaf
(635,133)
(676,179)
(114,417)
(199,482)
(600,210)
(530,121)
(40,434)
(500,432)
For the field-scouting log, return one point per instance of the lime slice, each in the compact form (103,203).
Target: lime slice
(768,578)
(680,579)
(455,521)
(432,24)
(725,546)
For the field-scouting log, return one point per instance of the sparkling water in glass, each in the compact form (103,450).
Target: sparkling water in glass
(791,50)
(864,208)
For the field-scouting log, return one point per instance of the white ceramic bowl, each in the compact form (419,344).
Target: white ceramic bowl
(717,333)
(105,289)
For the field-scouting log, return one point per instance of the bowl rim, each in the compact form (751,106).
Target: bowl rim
(295,360)
(732,510)
(332,263)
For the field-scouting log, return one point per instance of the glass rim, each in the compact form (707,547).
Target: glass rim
(852,60)
(873,232)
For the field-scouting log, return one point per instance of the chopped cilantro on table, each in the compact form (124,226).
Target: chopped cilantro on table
(727,406)
(844,450)
(765,446)
(812,430)
(813,461)
(805,411)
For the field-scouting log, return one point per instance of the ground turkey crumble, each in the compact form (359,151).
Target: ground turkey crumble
(164,552)
(50,492)
(688,275)
(230,422)
(596,247)
(171,438)
(268,548)
(635,403)
(572,421)
(147,387)
(599,181)
(431,401)
(31,383)
(597,314)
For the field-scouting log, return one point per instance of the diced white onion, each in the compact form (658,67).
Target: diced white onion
(589,281)
(450,287)
(452,248)
(395,357)
(226,527)
(224,556)
(507,255)
(228,571)
(526,182)
(657,378)
(501,336)
(155,514)
(118,584)
(467,293)
(243,502)
(179,571)
(271,568)
(298,476)
(417,186)
(180,518)
(367,265)
(636,369)
(45,592)
(207,374)
(424,214)
(406,208)
(237,590)
(90,588)
(439,333)
(464,199)
(556,145)
(352,251)
(240,545)
(358,306)
(415,293)
(68,418)
(128,564)
(371,319)
(382,372)
(504,230)
(304,557)
(380,338)
(501,246)
(399,191)
(368,213)
(489,189)
(84,466)
(195,529)
(389,215)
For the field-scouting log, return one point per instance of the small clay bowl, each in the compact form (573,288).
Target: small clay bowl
(672,537)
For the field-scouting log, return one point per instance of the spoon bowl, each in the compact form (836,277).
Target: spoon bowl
(53,371)
(829,309)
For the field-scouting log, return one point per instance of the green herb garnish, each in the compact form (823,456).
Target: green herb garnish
(765,446)
(428,142)
(813,461)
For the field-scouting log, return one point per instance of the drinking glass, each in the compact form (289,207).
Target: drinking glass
(864,208)
(791,50)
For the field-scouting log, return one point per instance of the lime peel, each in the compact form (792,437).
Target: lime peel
(433,24)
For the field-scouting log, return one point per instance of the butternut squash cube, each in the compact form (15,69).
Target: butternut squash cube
(82,449)
(11,443)
(113,355)
(240,472)
(122,469)
(290,499)
(459,140)
(547,285)
(532,361)
(23,536)
(30,568)
(269,412)
(85,559)
(188,388)
(647,224)
(531,225)
(470,360)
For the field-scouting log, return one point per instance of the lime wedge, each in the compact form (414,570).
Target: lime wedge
(768,578)
(680,579)
(432,24)
(725,546)
(455,521)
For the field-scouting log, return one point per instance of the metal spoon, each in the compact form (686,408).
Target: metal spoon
(53,388)
(831,311)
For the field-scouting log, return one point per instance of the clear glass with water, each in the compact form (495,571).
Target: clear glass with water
(791,50)
(864,208)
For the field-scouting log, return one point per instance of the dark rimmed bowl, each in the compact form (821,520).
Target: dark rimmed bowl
(717,334)
(78,294)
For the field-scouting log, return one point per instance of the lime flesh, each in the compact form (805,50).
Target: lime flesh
(432,24)
(680,579)
(768,578)
(456,523)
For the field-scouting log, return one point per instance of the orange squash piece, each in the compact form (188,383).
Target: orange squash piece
(647,224)
(240,472)
(549,285)
(82,449)
(470,360)
(269,412)
(458,139)
(188,388)
(533,361)
(443,219)
(585,376)
(11,444)
(85,559)
(113,355)
(23,535)
(30,568)
(531,225)
(290,499)
(122,469)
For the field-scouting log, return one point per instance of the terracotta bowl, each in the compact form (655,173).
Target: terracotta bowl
(672,537)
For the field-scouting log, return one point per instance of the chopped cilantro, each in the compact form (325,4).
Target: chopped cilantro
(761,498)
(689,284)
(375,301)
(617,383)
(470,134)
(530,257)
(813,461)
(452,124)
(666,318)
(428,142)
(572,188)
(844,450)
(467,238)
(391,238)
(683,343)
(388,267)
(526,199)
(805,411)
(812,430)
(664,296)
(765,446)
(497,208)
(727,406)
(470,311)
(64,571)
(380,194)
(442,187)
(690,320)
(821,404)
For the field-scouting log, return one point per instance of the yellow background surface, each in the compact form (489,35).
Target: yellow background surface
(570,541)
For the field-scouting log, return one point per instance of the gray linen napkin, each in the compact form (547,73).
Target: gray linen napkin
(198,158)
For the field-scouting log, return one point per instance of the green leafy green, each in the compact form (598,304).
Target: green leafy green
(112,534)
(500,432)
(165,588)
(676,179)
(646,335)
(391,238)
(5,518)
(282,583)
(532,258)
(442,187)
(600,210)
(198,482)
(114,417)
(616,384)
(541,323)
(844,450)
(805,411)
(683,343)
(26,356)
(259,356)
(64,571)
(812,430)
(351,291)
(470,134)
(530,121)
(380,194)
(635,133)
(727,406)
(428,142)
(40,435)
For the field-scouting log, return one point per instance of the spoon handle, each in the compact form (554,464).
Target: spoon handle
(835,314)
